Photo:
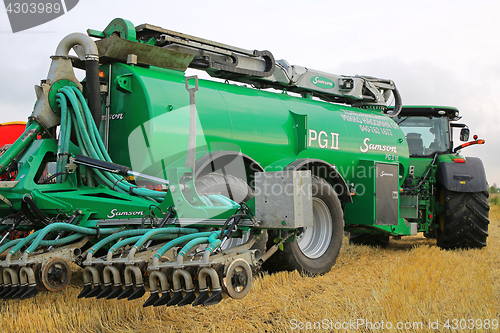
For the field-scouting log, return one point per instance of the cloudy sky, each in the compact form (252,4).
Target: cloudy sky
(437,52)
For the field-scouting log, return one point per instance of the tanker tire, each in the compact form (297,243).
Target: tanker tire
(465,221)
(235,189)
(306,258)
(380,240)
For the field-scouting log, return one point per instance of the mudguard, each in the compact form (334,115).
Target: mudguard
(463,177)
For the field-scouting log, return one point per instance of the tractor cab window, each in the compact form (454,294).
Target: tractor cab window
(425,136)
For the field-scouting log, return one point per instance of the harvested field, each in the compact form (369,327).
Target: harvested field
(412,283)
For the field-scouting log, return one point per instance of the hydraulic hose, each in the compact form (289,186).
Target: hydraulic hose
(58,227)
(129,233)
(191,244)
(91,145)
(64,138)
(113,237)
(62,241)
(176,242)
(21,243)
(213,243)
(40,235)
(188,247)
(132,240)
(153,232)
(9,244)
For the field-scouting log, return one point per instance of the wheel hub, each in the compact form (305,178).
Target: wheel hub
(56,274)
(314,241)
(238,280)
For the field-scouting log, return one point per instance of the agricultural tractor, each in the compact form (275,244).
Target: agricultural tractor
(151,179)
(444,194)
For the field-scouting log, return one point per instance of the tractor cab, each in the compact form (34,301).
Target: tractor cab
(429,130)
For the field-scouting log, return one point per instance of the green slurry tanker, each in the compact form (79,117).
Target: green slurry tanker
(151,179)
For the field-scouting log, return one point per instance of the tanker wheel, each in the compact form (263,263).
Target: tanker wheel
(56,274)
(316,248)
(465,222)
(235,189)
(381,240)
(238,279)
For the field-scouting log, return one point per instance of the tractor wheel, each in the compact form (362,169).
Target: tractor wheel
(465,223)
(381,240)
(236,190)
(315,249)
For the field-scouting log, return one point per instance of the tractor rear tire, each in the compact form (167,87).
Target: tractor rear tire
(315,250)
(465,222)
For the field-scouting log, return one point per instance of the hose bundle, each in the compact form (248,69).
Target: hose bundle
(75,111)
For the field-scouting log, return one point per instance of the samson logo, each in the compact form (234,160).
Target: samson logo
(383,173)
(322,82)
(370,146)
(115,212)
(26,14)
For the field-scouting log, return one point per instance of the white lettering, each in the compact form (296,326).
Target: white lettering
(324,143)
(335,141)
(114,212)
(318,80)
(365,143)
(313,136)
(323,139)
(376,147)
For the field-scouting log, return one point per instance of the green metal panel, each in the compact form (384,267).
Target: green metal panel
(150,116)
(361,214)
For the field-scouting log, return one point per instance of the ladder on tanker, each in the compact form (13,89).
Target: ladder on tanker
(169,49)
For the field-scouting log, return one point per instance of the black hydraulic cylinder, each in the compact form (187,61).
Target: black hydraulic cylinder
(102,165)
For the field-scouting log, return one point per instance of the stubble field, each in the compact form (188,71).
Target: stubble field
(412,285)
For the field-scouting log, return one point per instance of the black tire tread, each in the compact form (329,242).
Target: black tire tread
(466,220)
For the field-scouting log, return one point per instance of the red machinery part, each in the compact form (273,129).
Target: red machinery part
(10,131)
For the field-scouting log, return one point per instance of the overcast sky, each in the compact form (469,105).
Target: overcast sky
(437,52)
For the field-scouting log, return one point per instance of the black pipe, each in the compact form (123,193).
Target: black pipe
(37,211)
(93,89)
(102,165)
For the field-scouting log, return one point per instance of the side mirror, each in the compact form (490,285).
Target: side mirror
(464,134)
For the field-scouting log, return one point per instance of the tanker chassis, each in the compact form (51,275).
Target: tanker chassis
(144,176)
